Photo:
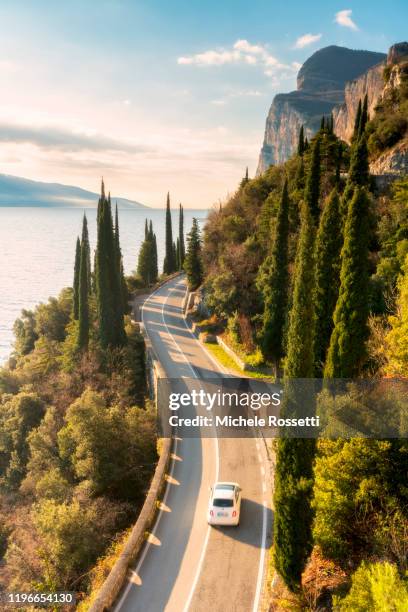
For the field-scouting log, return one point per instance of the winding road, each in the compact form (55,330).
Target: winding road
(186,565)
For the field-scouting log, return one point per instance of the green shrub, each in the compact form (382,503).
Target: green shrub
(375,587)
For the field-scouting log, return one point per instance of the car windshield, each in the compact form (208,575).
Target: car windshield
(223,503)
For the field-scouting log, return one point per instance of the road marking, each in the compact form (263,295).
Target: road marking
(262,470)
(217,459)
(147,545)
(262,559)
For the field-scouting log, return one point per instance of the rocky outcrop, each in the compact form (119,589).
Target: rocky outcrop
(393,162)
(320,88)
(370,83)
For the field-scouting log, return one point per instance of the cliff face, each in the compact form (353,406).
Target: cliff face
(370,83)
(320,88)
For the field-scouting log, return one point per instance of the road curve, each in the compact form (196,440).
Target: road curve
(187,565)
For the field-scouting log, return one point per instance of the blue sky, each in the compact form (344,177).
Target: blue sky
(159,95)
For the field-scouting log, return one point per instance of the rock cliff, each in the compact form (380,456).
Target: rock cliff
(321,85)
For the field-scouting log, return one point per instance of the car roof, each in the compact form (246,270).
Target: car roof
(221,484)
(225,490)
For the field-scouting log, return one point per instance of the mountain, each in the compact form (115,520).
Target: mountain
(16,191)
(321,83)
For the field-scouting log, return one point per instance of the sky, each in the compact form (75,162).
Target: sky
(159,95)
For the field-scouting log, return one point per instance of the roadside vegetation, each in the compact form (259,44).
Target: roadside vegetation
(77,435)
(307,267)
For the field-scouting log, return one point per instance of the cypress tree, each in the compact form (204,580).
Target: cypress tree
(294,467)
(108,278)
(357,120)
(358,174)
(312,189)
(301,141)
(75,312)
(300,174)
(144,264)
(331,124)
(85,240)
(328,246)
(154,258)
(169,265)
(307,144)
(178,258)
(83,319)
(181,237)
(276,287)
(300,357)
(193,264)
(322,124)
(364,117)
(123,297)
(347,350)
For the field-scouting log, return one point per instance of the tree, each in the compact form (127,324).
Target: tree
(328,246)
(364,117)
(397,337)
(108,279)
(347,351)
(75,312)
(169,265)
(83,319)
(275,289)
(312,189)
(301,141)
(193,263)
(294,473)
(358,174)
(85,240)
(147,261)
(110,449)
(181,238)
(300,343)
(357,120)
(375,586)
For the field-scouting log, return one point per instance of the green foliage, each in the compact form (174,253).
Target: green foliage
(182,250)
(275,285)
(375,587)
(301,142)
(397,337)
(24,333)
(52,318)
(75,311)
(111,450)
(109,285)
(299,362)
(328,245)
(347,350)
(19,414)
(293,514)
(147,262)
(169,264)
(193,262)
(312,188)
(393,237)
(358,483)
(71,539)
(84,289)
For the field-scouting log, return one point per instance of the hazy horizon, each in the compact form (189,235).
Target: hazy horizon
(158,97)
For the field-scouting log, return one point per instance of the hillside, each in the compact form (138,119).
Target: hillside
(17,191)
(320,88)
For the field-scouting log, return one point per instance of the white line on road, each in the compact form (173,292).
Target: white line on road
(262,559)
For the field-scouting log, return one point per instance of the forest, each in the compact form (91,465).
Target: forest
(306,276)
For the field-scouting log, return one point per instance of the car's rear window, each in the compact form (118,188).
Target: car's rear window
(223,503)
(224,487)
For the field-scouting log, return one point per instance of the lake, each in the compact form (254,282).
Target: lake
(37,248)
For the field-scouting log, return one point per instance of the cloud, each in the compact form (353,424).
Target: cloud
(51,137)
(344,19)
(306,40)
(241,52)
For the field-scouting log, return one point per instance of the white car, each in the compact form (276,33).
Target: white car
(224,505)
